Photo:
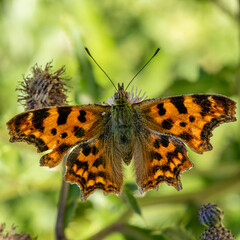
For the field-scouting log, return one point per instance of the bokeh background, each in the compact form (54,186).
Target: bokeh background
(199,42)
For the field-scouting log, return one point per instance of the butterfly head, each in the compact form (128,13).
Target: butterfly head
(121,96)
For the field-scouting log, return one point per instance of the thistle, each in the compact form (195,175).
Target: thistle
(210,215)
(217,233)
(44,88)
(9,235)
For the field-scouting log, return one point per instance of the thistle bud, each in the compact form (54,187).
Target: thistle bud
(210,215)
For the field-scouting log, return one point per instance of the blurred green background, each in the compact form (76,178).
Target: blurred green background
(199,54)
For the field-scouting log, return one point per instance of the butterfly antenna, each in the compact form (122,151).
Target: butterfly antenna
(99,66)
(143,67)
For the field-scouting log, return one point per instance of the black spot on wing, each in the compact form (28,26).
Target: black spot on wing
(54,131)
(176,171)
(156,155)
(174,154)
(79,179)
(63,147)
(148,184)
(191,118)
(38,118)
(225,102)
(185,136)
(94,150)
(162,110)
(98,162)
(178,102)
(101,174)
(89,189)
(156,143)
(86,149)
(110,186)
(82,115)
(82,182)
(63,135)
(167,124)
(164,140)
(165,168)
(92,176)
(63,113)
(18,120)
(183,124)
(155,169)
(203,102)
(160,179)
(41,145)
(82,164)
(78,132)
(97,185)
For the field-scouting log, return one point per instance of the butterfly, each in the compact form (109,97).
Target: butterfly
(98,138)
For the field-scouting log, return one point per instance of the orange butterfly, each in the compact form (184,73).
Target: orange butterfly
(101,136)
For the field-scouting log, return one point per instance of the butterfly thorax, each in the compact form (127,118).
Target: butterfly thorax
(122,124)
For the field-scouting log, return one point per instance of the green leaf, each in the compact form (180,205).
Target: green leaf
(88,83)
(132,233)
(128,197)
(72,201)
(177,234)
(221,82)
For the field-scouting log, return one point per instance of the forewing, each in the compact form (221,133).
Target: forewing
(190,118)
(159,158)
(57,129)
(93,165)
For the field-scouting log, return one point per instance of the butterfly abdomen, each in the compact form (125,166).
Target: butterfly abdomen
(122,127)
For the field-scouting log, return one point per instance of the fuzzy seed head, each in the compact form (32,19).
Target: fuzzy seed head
(44,88)
(9,235)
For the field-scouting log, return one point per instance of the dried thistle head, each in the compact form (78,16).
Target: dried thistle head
(43,88)
(9,235)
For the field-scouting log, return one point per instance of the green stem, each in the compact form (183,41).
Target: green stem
(117,226)
(59,229)
(224,9)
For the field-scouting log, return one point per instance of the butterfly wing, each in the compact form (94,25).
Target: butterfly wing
(57,129)
(94,165)
(190,118)
(159,158)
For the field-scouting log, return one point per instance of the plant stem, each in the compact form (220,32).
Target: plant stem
(114,227)
(59,229)
(224,9)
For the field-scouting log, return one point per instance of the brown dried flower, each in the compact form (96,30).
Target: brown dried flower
(44,88)
(13,236)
